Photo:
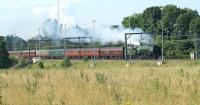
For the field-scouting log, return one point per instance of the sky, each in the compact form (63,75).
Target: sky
(25,17)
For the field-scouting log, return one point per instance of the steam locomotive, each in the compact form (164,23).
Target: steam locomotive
(99,53)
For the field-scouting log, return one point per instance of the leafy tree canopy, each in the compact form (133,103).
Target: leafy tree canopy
(4,56)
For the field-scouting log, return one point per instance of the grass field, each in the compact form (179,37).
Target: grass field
(108,83)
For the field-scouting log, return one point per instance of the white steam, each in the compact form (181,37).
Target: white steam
(52,11)
(101,33)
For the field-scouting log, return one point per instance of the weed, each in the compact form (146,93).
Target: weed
(180,82)
(84,76)
(62,102)
(169,81)
(22,63)
(187,76)
(50,95)
(101,78)
(41,65)
(181,72)
(85,59)
(194,94)
(37,74)
(1,100)
(166,91)
(117,97)
(3,83)
(196,63)
(1,97)
(195,88)
(199,73)
(66,62)
(54,65)
(31,86)
(156,84)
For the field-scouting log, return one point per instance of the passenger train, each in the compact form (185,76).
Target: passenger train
(98,53)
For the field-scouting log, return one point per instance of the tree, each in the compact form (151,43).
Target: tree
(134,20)
(15,43)
(169,15)
(150,18)
(195,25)
(175,21)
(114,27)
(183,21)
(4,56)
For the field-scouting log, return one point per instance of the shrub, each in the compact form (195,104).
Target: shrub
(21,62)
(85,59)
(5,62)
(66,62)
(14,61)
(41,65)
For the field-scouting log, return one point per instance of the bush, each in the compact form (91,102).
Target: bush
(22,63)
(5,61)
(66,62)
(41,65)
(14,61)
(85,59)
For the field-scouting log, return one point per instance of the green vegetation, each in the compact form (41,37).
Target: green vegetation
(85,59)
(66,62)
(5,61)
(40,64)
(109,83)
(179,28)
(15,43)
(22,63)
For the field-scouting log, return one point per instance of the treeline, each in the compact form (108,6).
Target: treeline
(180,28)
(15,43)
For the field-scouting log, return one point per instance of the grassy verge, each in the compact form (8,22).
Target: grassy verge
(107,83)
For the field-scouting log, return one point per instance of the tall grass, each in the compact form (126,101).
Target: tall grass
(109,83)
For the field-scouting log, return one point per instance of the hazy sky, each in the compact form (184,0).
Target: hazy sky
(24,17)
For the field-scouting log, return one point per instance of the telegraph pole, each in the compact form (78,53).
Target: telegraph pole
(14,43)
(58,29)
(58,12)
(126,46)
(196,46)
(65,36)
(130,36)
(36,41)
(162,45)
(39,37)
(21,44)
(162,36)
(93,31)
